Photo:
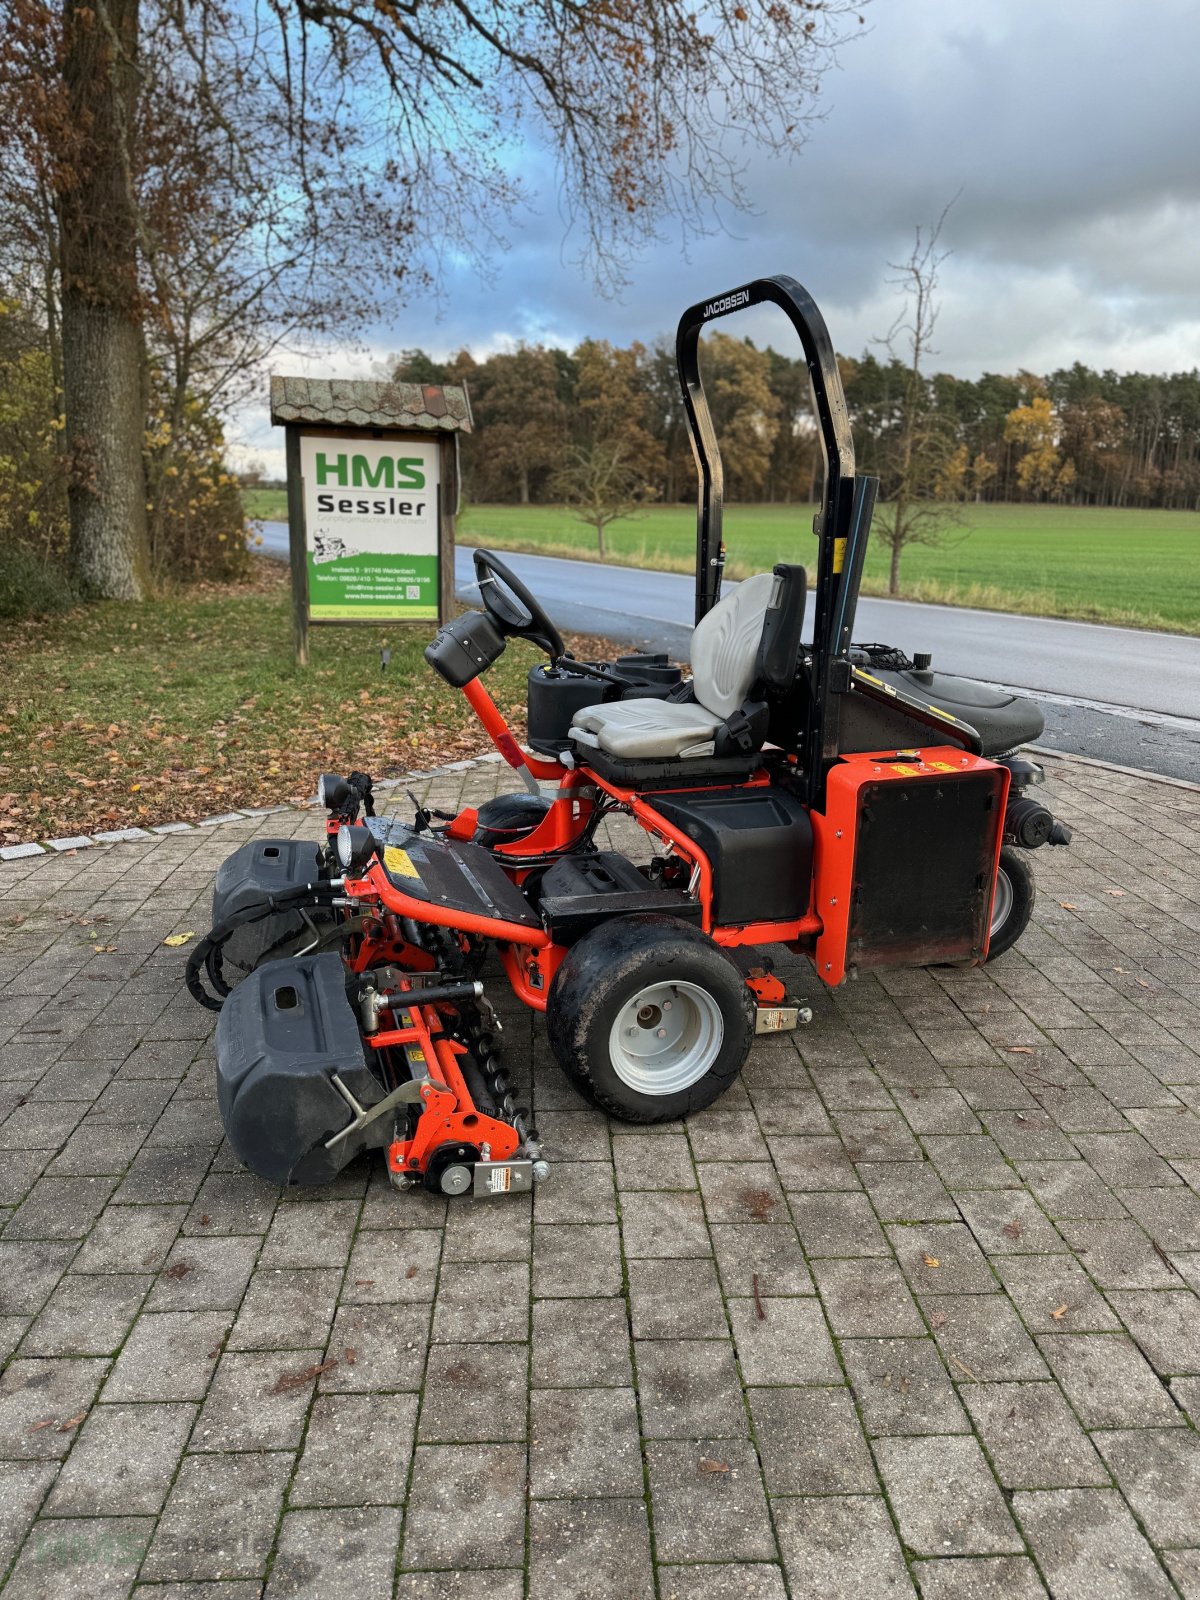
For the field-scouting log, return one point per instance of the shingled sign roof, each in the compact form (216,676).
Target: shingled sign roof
(357,403)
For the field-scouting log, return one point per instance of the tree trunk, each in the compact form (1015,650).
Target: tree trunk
(103,373)
(600,540)
(894,570)
(523,470)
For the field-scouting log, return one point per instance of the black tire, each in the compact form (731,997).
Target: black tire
(1014,867)
(509,817)
(616,963)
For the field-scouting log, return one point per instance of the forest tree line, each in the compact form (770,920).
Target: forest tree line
(1074,436)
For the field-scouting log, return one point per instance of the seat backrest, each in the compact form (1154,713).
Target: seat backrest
(725,646)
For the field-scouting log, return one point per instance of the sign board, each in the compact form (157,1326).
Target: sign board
(371,523)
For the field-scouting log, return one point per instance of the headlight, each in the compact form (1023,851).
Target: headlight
(332,791)
(355,847)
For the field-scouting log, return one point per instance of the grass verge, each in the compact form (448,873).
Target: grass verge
(115,715)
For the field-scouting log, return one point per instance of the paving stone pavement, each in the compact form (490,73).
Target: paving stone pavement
(911,1311)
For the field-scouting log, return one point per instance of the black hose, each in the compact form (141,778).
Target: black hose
(207,954)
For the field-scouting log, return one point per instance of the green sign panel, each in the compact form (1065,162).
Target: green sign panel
(371,528)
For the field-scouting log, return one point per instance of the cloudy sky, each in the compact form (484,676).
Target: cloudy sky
(1069,129)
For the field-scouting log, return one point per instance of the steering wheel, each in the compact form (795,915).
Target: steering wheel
(512,608)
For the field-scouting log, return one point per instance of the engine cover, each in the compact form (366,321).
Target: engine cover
(281,1036)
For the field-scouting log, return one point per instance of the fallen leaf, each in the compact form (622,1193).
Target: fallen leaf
(759,1202)
(349,1355)
(1059,1312)
(174,940)
(38,1426)
(411,1273)
(365,1283)
(1067,906)
(103,949)
(72,1422)
(287,1381)
(178,1270)
(1020,1050)
(937,1319)
(1012,1230)
(205,1219)
(1117,894)
(760,1311)
(1165,1259)
(962,1365)
(931,1261)
(707,1464)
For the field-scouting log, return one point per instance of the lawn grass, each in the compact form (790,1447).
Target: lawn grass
(270,504)
(116,715)
(1137,568)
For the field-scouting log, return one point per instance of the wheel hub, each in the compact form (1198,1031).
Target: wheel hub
(666,1037)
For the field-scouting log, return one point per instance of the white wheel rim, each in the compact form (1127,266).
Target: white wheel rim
(666,1038)
(1002,901)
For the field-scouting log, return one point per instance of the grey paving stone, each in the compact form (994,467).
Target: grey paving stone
(317,1234)
(86,1316)
(1089,1546)
(123,1461)
(810,1442)
(908,1191)
(901,1387)
(490,1233)
(969,1161)
(841,1223)
(1119,1255)
(583,1443)
(689,1388)
(257,1401)
(1166,1325)
(841,1547)
(982,1338)
(1170,1216)
(1008,1222)
(169,1355)
(584,1193)
(1032,1437)
(653,1161)
(23,1486)
(204,1275)
(1108,1381)
(356,1451)
(581,1343)
(941,1258)
(286,1309)
(741,1191)
(866,1299)
(59,1207)
(335,1555)
(1071,1190)
(377,1348)
(70,1559)
(220,1517)
(480,1301)
(466,1507)
(42,1402)
(590,1549)
(487,1584)
(979,1578)
(1054,1295)
(29,1270)
(746,1251)
(804,1162)
(1158,1472)
(708,1501)
(570,1260)
(1029,1135)
(945,1498)
(232,1202)
(387,1268)
(1171,1130)
(98,1150)
(130,1239)
(664,1224)
(782,1341)
(474,1392)
(730,1581)
(1124,1158)
(676,1300)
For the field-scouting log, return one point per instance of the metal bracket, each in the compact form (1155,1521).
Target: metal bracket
(408,1094)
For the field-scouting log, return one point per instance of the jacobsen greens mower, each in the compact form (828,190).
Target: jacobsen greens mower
(837,799)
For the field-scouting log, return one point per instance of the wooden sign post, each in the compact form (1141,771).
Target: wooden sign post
(372,475)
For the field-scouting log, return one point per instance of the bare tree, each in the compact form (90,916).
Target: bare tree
(377,129)
(921,448)
(600,484)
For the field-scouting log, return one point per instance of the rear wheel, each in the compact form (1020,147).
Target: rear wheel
(1013,901)
(649,1018)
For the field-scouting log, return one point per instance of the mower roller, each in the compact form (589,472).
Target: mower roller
(837,799)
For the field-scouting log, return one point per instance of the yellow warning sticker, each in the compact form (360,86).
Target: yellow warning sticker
(398,862)
(839,554)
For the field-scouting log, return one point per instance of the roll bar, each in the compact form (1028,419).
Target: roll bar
(842,524)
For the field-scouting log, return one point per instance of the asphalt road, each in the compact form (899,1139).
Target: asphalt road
(1117,694)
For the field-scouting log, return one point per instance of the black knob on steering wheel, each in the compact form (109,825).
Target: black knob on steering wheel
(511,606)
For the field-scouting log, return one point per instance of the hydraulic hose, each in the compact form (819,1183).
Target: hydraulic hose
(206,956)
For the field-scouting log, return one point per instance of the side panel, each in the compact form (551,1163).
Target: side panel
(906,860)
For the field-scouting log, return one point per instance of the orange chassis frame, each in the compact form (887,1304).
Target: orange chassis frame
(529,955)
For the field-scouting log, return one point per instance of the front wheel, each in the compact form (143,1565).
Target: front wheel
(1012,903)
(649,1018)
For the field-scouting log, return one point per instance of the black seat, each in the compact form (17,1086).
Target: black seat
(1003,720)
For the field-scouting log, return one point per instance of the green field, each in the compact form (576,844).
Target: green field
(1138,568)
